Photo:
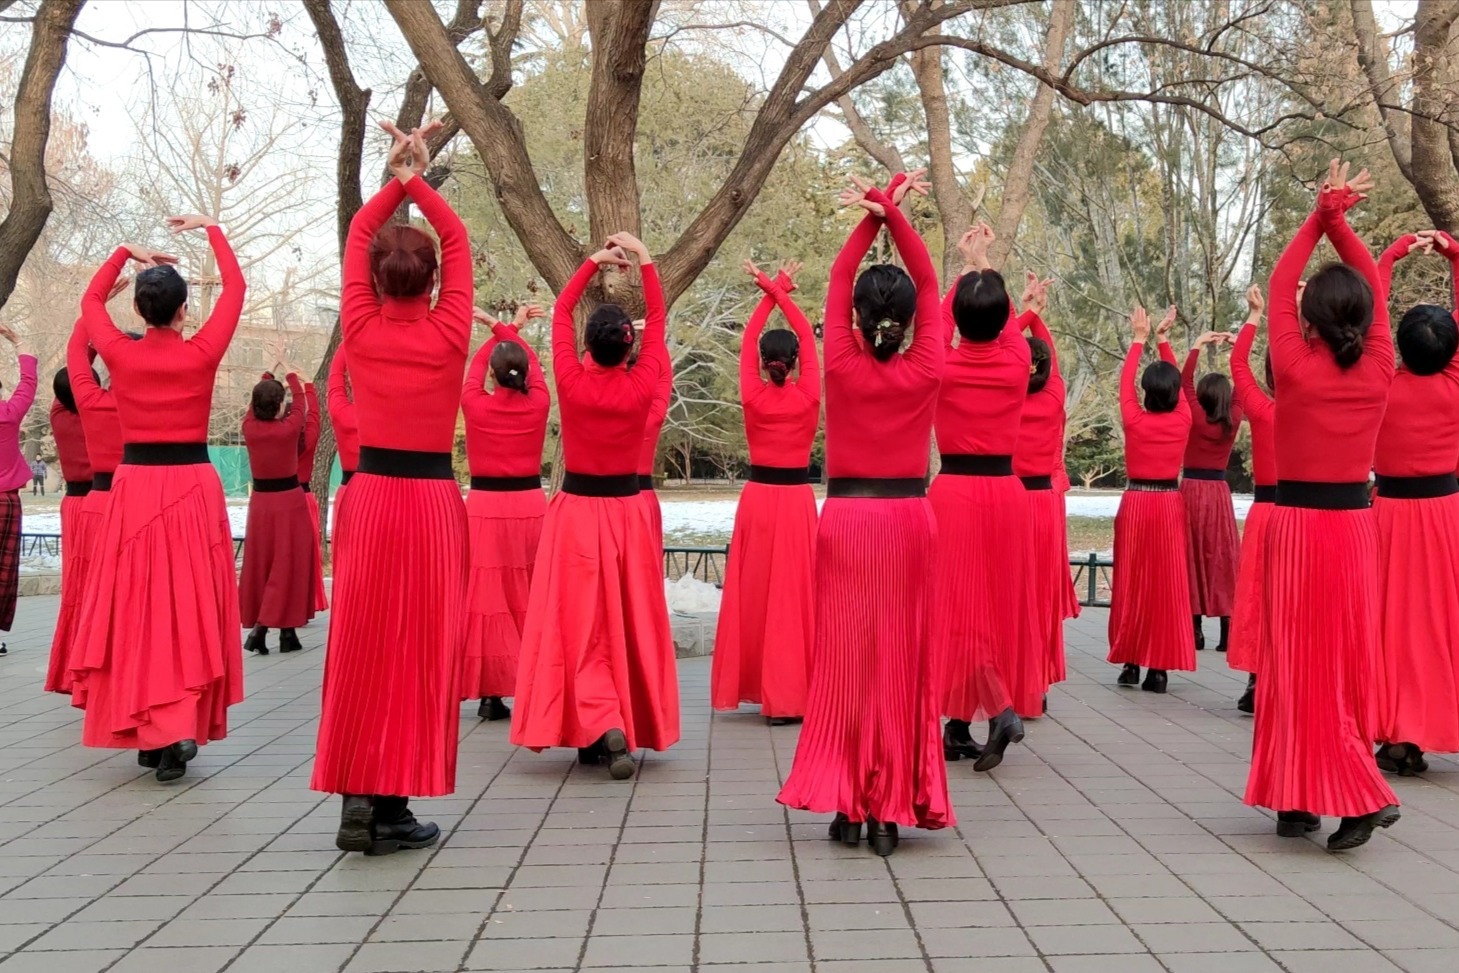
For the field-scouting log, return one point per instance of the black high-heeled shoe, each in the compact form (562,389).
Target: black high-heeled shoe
(1155,681)
(1247,702)
(882,837)
(1129,675)
(844,830)
(1225,633)
(1296,824)
(1200,633)
(1355,832)
(289,641)
(257,641)
(1003,729)
(957,742)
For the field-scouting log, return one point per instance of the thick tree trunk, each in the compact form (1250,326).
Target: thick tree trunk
(30,195)
(1432,171)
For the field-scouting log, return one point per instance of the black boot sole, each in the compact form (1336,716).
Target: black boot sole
(173,760)
(882,838)
(150,759)
(1358,835)
(784,720)
(354,828)
(389,846)
(620,763)
(992,754)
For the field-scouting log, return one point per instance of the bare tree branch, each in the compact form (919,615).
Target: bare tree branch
(887,155)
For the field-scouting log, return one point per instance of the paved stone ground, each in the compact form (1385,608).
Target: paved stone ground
(1114,840)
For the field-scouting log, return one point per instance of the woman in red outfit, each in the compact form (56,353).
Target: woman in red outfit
(308,446)
(70,439)
(1213,543)
(658,413)
(1417,514)
(869,750)
(1149,617)
(1037,462)
(279,547)
(1333,361)
(388,726)
(766,625)
(597,670)
(157,661)
(1260,411)
(346,441)
(505,430)
(984,534)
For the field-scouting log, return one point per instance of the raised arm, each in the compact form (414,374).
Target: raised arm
(1167,354)
(1254,401)
(928,345)
(23,397)
(1130,410)
(312,419)
(84,387)
(1395,252)
(213,337)
(1031,322)
(298,416)
(458,283)
(1449,247)
(809,381)
(536,380)
(1188,372)
(101,331)
(357,295)
(336,395)
(475,388)
(1332,212)
(840,342)
(750,381)
(566,365)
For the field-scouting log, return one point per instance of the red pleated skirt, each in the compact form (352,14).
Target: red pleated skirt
(157,656)
(1149,614)
(321,599)
(1050,585)
(1214,547)
(504,531)
(1068,596)
(1417,687)
(1312,749)
(280,561)
(762,645)
(597,649)
(650,500)
(1244,644)
(991,646)
(73,584)
(871,745)
(336,517)
(388,722)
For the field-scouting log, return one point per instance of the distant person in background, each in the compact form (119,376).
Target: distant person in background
(13,475)
(71,453)
(37,476)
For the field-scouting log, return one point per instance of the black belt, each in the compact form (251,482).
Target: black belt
(505,484)
(407,464)
(345,477)
(780,475)
(101,482)
(304,485)
(1265,494)
(165,454)
(1417,487)
(971,464)
(590,485)
(876,487)
(1152,486)
(1322,496)
(1191,473)
(1037,482)
(78,488)
(645,484)
(278,484)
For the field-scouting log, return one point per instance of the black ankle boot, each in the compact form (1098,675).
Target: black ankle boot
(882,837)
(394,828)
(149,758)
(257,641)
(355,818)
(1155,681)
(172,762)
(1225,633)
(844,830)
(957,742)
(1415,760)
(1200,633)
(289,640)
(492,708)
(1354,832)
(1247,702)
(591,756)
(615,747)
(1390,758)
(1295,824)
(1003,729)
(1129,675)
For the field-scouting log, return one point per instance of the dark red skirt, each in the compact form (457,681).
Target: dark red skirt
(1418,577)
(1051,587)
(1214,548)
(991,645)
(1244,644)
(1315,718)
(1149,614)
(58,679)
(597,650)
(504,530)
(280,555)
(158,655)
(321,598)
(762,645)
(388,723)
(871,745)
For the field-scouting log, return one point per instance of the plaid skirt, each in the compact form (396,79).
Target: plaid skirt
(9,556)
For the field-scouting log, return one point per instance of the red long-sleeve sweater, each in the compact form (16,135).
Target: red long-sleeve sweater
(780,420)
(70,443)
(273,444)
(163,384)
(605,410)
(658,414)
(1154,441)
(342,414)
(879,414)
(1209,445)
(984,386)
(505,429)
(1040,447)
(1327,417)
(403,349)
(309,440)
(1258,407)
(96,406)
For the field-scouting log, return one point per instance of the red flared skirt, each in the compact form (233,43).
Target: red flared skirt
(762,645)
(1149,614)
(1068,596)
(650,500)
(990,645)
(321,599)
(1312,748)
(158,656)
(1417,687)
(504,531)
(280,558)
(73,584)
(1050,585)
(1214,547)
(1244,644)
(871,745)
(597,649)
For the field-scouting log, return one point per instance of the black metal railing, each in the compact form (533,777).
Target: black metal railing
(1092,580)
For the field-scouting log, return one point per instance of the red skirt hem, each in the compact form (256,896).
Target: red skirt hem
(1149,615)
(73,586)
